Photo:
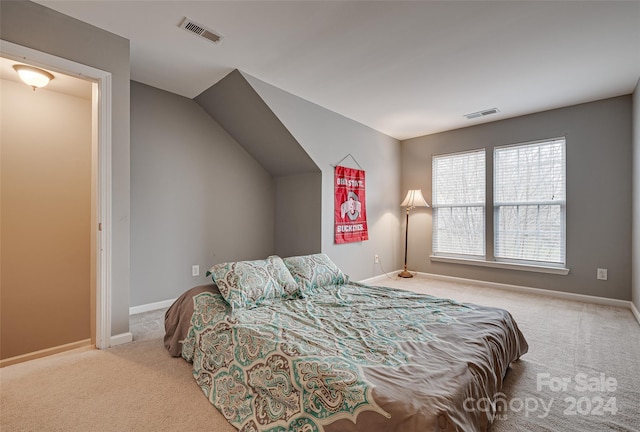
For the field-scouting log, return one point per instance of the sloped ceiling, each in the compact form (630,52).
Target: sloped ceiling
(236,106)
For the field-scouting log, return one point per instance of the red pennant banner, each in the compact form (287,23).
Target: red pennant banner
(350,212)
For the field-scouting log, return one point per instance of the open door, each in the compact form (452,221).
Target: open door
(45,227)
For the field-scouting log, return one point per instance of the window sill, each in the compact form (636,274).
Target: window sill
(502,265)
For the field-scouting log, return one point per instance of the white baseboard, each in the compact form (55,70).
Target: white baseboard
(150,306)
(375,279)
(635,311)
(121,338)
(541,291)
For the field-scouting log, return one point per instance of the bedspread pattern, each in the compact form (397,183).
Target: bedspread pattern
(299,365)
(283,361)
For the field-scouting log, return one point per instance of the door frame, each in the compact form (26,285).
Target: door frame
(101,147)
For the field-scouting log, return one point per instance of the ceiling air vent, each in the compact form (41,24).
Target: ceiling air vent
(482,113)
(200,30)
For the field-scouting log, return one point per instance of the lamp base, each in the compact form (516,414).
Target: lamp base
(405,274)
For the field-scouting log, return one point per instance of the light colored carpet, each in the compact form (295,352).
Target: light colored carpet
(566,338)
(139,387)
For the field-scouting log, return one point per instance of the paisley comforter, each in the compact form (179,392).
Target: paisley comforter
(349,358)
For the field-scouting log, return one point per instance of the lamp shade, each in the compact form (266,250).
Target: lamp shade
(33,76)
(414,198)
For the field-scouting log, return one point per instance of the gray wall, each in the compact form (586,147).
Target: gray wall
(235,105)
(598,194)
(197,197)
(328,137)
(65,37)
(298,210)
(636,198)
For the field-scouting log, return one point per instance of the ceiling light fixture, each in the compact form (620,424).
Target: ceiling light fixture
(33,76)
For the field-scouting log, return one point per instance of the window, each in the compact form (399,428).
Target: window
(529,202)
(458,194)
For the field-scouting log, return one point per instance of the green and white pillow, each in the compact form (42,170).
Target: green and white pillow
(313,272)
(247,284)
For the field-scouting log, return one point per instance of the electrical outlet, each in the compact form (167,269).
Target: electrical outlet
(376,258)
(602,274)
(195,270)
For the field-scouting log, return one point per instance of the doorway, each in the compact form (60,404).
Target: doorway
(46,229)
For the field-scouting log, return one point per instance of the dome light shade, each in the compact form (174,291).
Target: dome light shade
(33,76)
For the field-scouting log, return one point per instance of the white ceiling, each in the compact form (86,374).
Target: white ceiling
(404,68)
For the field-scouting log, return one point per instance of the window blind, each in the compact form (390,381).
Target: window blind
(529,201)
(458,194)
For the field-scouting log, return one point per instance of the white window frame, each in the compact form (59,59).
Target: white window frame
(502,263)
(436,206)
(561,203)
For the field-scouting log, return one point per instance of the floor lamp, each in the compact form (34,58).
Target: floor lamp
(413,199)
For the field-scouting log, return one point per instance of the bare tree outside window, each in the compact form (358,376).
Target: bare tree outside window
(529,207)
(459,204)
(529,201)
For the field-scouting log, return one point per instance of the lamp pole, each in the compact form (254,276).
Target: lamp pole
(404,273)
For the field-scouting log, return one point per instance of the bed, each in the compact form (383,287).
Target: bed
(300,348)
